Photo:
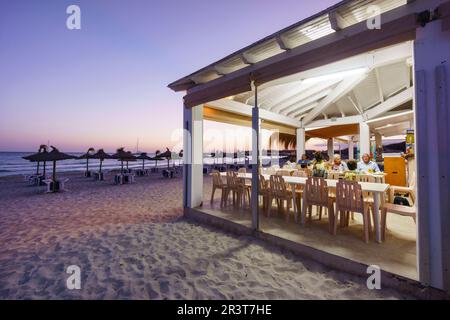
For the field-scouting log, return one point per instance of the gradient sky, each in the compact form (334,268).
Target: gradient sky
(105,85)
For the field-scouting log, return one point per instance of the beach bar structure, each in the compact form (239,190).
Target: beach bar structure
(363,69)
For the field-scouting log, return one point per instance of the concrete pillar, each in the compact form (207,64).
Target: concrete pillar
(330,148)
(351,149)
(193,157)
(432,106)
(301,143)
(364,139)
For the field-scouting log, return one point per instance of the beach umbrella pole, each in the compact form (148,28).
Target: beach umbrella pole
(54,176)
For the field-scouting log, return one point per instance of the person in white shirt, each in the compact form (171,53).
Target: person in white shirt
(366,165)
(338,164)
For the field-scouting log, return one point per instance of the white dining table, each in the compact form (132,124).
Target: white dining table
(377,189)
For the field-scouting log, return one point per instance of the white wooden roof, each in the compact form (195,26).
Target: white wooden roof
(341,16)
(375,85)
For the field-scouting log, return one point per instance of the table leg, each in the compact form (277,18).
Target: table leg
(304,208)
(376,204)
(294,200)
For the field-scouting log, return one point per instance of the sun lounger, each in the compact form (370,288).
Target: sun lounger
(61,185)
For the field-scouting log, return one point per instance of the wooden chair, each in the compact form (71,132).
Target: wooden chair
(264,191)
(333,175)
(396,209)
(238,188)
(280,193)
(316,194)
(349,198)
(218,184)
(299,189)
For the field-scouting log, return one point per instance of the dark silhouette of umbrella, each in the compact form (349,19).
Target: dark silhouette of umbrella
(143,156)
(101,155)
(54,156)
(168,155)
(157,158)
(180,155)
(88,155)
(36,156)
(122,156)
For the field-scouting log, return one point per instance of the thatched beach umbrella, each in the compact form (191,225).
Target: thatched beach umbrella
(101,155)
(167,155)
(156,158)
(123,156)
(180,154)
(54,156)
(143,156)
(36,156)
(88,155)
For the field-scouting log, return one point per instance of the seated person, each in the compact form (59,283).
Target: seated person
(366,165)
(304,162)
(338,164)
(318,166)
(290,164)
(352,165)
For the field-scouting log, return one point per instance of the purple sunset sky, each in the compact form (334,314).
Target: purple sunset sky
(105,85)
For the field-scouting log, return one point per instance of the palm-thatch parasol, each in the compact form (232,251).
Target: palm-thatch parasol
(54,156)
(122,156)
(88,155)
(168,155)
(157,158)
(101,155)
(180,154)
(143,156)
(36,156)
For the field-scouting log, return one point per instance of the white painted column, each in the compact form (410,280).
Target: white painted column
(330,148)
(301,143)
(351,149)
(432,106)
(193,157)
(364,139)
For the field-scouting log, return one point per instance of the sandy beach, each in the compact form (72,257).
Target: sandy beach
(131,242)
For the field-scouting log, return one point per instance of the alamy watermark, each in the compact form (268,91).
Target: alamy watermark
(73,282)
(73,21)
(374,280)
(374,20)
